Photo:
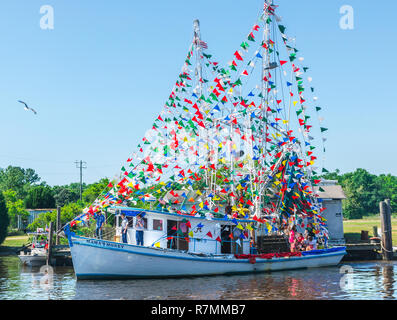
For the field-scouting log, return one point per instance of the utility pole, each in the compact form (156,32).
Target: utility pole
(81,165)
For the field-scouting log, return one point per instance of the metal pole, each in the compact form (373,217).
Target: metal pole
(81,165)
(81,180)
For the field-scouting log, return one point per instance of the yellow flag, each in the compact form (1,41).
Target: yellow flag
(191,234)
(157,244)
(240,226)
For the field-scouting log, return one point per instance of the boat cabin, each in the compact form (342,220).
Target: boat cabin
(193,234)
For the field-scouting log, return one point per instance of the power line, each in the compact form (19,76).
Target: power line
(81,165)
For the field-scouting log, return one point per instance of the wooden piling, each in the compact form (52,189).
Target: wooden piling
(49,251)
(385,218)
(58,225)
(375,231)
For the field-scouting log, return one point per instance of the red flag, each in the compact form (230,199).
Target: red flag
(238,56)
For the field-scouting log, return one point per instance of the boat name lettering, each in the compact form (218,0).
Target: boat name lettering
(106,244)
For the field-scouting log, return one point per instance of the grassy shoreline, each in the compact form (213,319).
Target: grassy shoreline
(15,241)
(352,228)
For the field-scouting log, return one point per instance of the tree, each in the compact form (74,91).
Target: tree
(4,219)
(94,190)
(17,179)
(15,207)
(364,191)
(387,186)
(64,195)
(68,213)
(40,197)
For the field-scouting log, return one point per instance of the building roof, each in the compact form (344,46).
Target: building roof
(330,192)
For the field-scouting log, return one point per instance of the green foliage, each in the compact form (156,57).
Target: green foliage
(364,191)
(68,212)
(15,207)
(65,194)
(40,197)
(4,219)
(94,190)
(18,179)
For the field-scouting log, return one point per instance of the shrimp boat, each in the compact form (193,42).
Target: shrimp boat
(227,166)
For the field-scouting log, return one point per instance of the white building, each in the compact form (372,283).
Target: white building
(331,198)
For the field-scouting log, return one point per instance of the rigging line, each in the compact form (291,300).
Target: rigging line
(150,151)
(280,71)
(301,129)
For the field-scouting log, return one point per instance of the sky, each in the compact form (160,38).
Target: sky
(99,78)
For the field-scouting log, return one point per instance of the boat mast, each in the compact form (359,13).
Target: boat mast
(264,99)
(198,73)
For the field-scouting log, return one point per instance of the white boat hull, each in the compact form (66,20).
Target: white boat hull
(34,261)
(99,259)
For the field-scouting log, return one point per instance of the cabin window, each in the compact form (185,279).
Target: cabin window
(158,224)
(338,214)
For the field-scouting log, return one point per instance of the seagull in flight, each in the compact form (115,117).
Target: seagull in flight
(27,107)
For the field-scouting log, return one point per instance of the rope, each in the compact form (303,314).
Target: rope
(381,243)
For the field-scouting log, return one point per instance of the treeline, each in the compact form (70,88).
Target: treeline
(22,189)
(364,191)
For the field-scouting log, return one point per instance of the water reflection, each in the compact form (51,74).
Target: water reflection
(388,281)
(371,280)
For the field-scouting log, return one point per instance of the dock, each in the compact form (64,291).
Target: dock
(363,251)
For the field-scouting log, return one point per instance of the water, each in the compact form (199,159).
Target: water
(374,280)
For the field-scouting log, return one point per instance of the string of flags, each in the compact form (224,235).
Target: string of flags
(236,137)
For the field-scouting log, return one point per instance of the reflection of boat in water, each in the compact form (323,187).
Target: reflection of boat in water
(38,253)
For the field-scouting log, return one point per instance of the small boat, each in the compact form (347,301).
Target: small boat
(38,253)
(228,164)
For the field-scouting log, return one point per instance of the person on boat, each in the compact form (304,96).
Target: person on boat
(312,244)
(300,242)
(253,248)
(310,230)
(139,230)
(100,219)
(124,228)
(292,238)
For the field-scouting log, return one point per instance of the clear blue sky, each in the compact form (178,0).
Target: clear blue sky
(100,77)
